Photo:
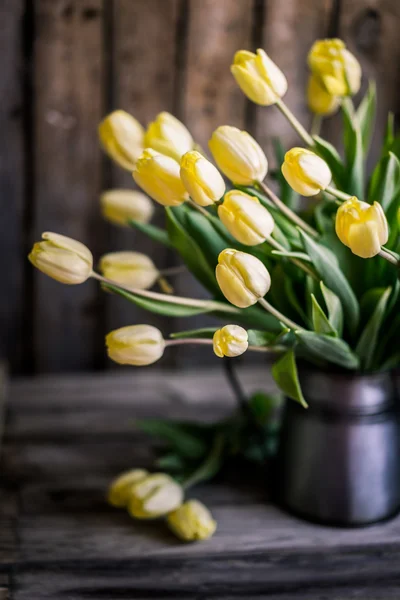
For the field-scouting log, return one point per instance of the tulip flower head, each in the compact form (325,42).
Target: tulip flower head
(238,155)
(169,136)
(202,180)
(242,277)
(158,175)
(119,206)
(192,521)
(118,492)
(62,258)
(258,77)
(136,345)
(362,227)
(129,268)
(154,496)
(231,340)
(245,218)
(306,172)
(121,136)
(319,100)
(338,71)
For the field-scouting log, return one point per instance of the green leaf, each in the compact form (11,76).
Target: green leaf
(384,184)
(190,252)
(334,306)
(186,444)
(334,279)
(354,152)
(320,321)
(265,338)
(284,372)
(368,340)
(202,231)
(171,462)
(329,153)
(388,137)
(328,348)
(203,333)
(365,114)
(264,406)
(155,233)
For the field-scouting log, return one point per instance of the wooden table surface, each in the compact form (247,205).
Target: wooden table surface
(66,437)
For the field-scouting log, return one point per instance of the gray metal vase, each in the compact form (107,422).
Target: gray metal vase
(339,460)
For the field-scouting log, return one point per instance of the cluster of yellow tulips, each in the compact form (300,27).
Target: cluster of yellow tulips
(173,171)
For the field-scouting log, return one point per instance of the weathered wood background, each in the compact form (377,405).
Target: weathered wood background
(65,63)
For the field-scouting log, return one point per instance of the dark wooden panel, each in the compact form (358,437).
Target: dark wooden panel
(12,247)
(143,79)
(290,28)
(68,107)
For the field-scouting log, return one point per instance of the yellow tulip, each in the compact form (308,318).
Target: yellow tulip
(306,172)
(192,521)
(158,175)
(118,492)
(320,101)
(362,227)
(169,136)
(245,218)
(242,277)
(62,258)
(238,155)
(121,136)
(258,77)
(231,340)
(154,496)
(136,345)
(338,71)
(119,206)
(201,179)
(129,268)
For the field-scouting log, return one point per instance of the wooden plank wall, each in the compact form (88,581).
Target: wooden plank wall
(68,62)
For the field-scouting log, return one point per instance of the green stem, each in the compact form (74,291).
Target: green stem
(292,216)
(199,208)
(211,305)
(210,466)
(316,124)
(337,193)
(278,315)
(388,256)
(295,261)
(209,342)
(295,123)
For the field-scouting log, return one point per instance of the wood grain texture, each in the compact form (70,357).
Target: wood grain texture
(289,30)
(68,107)
(12,244)
(143,55)
(72,544)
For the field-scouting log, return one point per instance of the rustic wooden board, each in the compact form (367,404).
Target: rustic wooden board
(68,106)
(72,544)
(12,181)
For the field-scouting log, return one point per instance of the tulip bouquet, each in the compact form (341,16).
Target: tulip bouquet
(312,280)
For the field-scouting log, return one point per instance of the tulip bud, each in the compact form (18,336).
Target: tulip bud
(306,172)
(122,138)
(238,155)
(136,345)
(158,175)
(335,67)
(362,227)
(118,492)
(169,136)
(320,101)
(154,496)
(242,277)
(119,206)
(231,341)
(245,218)
(258,77)
(129,268)
(201,179)
(62,258)
(192,521)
